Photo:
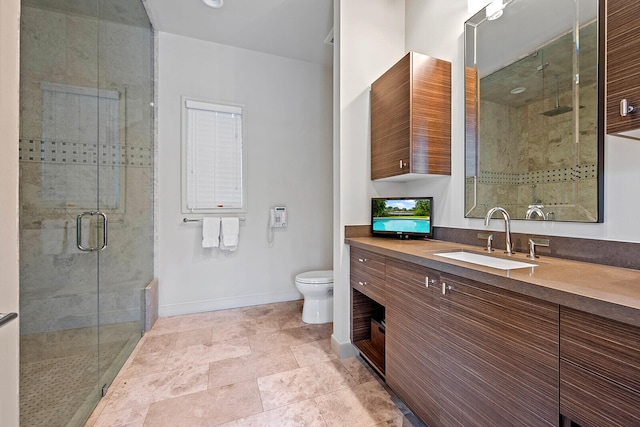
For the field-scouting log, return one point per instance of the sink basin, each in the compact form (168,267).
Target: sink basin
(487,261)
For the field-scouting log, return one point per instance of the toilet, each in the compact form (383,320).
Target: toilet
(317,289)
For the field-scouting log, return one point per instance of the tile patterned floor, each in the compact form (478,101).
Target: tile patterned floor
(60,371)
(254,366)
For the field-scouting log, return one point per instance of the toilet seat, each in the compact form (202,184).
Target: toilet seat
(318,277)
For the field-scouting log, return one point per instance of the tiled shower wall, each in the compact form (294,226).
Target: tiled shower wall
(547,167)
(59,283)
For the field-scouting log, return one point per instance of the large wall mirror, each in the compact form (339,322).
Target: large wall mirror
(534,110)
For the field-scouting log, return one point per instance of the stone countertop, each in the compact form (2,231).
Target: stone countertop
(611,292)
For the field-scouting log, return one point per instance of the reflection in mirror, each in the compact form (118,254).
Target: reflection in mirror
(533,105)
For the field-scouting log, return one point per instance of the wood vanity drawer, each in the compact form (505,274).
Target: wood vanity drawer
(603,346)
(372,287)
(413,277)
(365,264)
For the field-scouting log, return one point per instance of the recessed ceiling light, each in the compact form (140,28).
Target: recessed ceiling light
(517,90)
(216,4)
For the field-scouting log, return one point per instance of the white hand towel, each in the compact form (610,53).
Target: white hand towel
(230,232)
(210,232)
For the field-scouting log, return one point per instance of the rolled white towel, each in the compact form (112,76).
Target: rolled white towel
(230,233)
(210,232)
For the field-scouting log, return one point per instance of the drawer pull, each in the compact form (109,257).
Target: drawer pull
(363,259)
(362,283)
(446,288)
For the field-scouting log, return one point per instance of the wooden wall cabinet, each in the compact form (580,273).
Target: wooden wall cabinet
(599,370)
(411,119)
(623,65)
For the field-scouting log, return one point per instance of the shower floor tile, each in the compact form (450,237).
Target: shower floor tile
(60,374)
(256,366)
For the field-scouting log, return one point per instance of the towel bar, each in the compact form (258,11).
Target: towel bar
(200,219)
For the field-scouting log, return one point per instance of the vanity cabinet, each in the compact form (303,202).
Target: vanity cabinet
(460,352)
(457,352)
(411,119)
(413,338)
(599,370)
(368,273)
(623,64)
(499,363)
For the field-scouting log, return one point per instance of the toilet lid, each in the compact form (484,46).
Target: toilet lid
(316,277)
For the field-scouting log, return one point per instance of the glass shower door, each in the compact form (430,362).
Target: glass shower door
(125,177)
(59,108)
(86,200)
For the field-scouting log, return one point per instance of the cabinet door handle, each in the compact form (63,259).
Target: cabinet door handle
(446,288)
(428,281)
(625,108)
(403,164)
(362,283)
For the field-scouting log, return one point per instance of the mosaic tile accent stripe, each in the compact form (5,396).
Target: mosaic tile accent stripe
(574,173)
(62,152)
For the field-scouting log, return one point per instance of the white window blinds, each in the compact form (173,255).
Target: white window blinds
(214,163)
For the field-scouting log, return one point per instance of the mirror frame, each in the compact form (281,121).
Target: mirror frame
(472,118)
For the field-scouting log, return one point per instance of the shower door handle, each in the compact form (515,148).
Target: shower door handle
(79,232)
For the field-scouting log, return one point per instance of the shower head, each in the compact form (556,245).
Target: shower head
(557,110)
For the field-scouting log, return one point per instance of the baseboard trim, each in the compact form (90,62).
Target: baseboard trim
(343,350)
(225,303)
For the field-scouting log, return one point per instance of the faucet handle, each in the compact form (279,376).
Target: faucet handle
(489,238)
(532,246)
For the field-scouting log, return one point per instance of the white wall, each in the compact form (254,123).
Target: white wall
(9,277)
(371,39)
(288,110)
(436,28)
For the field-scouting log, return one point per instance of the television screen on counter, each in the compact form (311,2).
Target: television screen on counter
(402,217)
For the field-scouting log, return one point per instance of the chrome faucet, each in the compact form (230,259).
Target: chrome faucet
(535,209)
(507,225)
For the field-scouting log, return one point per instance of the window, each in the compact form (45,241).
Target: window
(213,158)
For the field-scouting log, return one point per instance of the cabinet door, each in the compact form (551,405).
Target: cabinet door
(623,63)
(499,357)
(412,346)
(599,371)
(411,118)
(390,124)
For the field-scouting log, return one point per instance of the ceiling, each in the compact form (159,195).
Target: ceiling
(294,29)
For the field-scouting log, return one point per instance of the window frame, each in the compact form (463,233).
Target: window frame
(184,143)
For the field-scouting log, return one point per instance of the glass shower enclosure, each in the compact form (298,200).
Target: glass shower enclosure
(86,200)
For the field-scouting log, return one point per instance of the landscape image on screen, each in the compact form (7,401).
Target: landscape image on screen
(405,216)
